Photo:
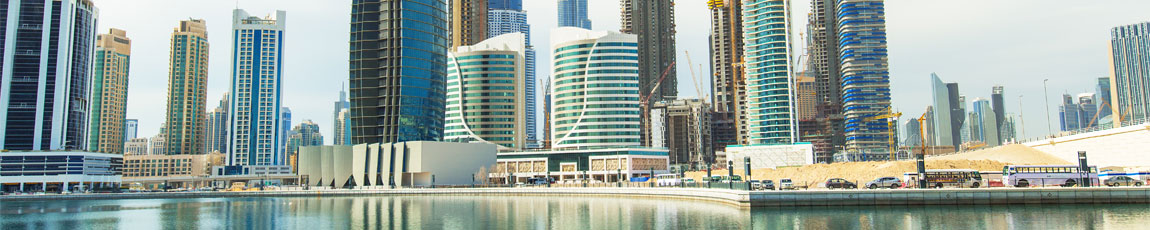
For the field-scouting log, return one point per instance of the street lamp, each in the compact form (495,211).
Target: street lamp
(1046,95)
(1020,117)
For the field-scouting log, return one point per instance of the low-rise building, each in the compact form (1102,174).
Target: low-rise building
(141,166)
(603,164)
(388,165)
(136,146)
(59,171)
(772,156)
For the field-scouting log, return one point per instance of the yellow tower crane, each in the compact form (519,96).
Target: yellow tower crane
(888,114)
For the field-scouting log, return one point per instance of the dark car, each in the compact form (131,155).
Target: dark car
(885,182)
(840,183)
(1122,181)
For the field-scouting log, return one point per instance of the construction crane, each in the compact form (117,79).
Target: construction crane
(645,109)
(888,114)
(694,79)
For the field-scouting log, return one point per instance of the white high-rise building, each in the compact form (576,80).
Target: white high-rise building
(255,112)
(485,98)
(595,91)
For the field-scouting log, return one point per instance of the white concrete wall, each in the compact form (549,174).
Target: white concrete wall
(327,158)
(342,164)
(451,163)
(1127,146)
(772,156)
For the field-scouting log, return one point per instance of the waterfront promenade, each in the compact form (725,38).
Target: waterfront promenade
(897,197)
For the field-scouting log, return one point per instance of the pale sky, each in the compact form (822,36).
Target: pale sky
(977,43)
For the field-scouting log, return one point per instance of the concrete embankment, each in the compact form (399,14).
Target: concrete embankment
(901,197)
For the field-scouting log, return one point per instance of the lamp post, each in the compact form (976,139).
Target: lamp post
(1045,94)
(1020,117)
(730,174)
(747,164)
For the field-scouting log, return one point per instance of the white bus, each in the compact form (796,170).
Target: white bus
(953,178)
(668,180)
(1047,175)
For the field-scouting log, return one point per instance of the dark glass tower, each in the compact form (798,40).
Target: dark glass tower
(47,72)
(397,70)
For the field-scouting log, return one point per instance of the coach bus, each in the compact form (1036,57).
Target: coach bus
(953,178)
(1047,175)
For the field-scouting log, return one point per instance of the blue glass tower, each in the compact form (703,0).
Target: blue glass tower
(255,113)
(865,73)
(397,80)
(573,13)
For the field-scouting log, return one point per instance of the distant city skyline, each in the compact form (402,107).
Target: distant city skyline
(918,32)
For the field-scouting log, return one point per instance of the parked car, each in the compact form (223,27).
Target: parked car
(786,184)
(885,182)
(1122,181)
(768,185)
(840,183)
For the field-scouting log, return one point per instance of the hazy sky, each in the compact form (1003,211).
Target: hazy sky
(977,43)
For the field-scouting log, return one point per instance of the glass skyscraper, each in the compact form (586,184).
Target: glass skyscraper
(397,70)
(507,16)
(865,73)
(109,92)
(1130,77)
(766,53)
(573,13)
(48,57)
(595,89)
(257,90)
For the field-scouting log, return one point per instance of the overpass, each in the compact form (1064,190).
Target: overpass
(1126,146)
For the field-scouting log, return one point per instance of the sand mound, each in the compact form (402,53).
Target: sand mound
(1016,154)
(861,172)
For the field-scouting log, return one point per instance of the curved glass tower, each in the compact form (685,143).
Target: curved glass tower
(766,50)
(595,89)
(865,73)
(397,68)
(484,99)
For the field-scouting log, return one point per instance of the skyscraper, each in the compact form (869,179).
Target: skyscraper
(913,134)
(109,92)
(468,22)
(398,96)
(257,90)
(45,83)
(484,99)
(1129,53)
(998,103)
(861,30)
(654,23)
(507,16)
(341,128)
(596,89)
(1104,99)
(985,126)
(685,130)
(1068,114)
(573,13)
(949,113)
(823,64)
(131,129)
(216,133)
(728,86)
(281,139)
(187,86)
(767,51)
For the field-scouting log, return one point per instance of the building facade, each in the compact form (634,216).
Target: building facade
(507,16)
(573,13)
(1104,100)
(985,123)
(485,100)
(865,73)
(595,91)
(997,102)
(606,165)
(1129,53)
(468,22)
(683,127)
(729,86)
(653,21)
(59,171)
(767,55)
(136,146)
(305,134)
(1078,112)
(391,165)
(827,132)
(109,93)
(138,166)
(216,132)
(255,114)
(187,86)
(46,74)
(383,109)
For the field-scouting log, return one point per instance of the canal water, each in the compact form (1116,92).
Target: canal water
(488,212)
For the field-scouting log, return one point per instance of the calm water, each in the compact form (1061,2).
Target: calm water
(446,212)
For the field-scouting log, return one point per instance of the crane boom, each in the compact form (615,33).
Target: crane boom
(657,83)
